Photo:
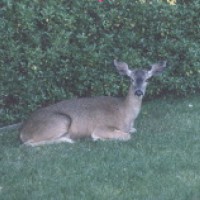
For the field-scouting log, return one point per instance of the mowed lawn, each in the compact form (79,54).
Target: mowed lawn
(160,162)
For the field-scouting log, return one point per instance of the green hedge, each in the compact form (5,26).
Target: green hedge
(56,49)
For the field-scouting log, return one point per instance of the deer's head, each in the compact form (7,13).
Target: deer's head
(138,77)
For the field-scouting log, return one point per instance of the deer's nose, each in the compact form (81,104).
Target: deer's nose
(138,93)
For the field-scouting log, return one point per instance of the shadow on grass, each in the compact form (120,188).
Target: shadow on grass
(10,139)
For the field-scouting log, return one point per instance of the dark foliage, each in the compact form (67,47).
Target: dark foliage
(56,49)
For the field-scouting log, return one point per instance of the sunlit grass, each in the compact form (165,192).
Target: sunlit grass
(160,162)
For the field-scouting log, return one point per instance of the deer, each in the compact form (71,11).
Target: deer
(99,117)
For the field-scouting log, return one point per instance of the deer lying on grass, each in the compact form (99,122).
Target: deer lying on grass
(101,117)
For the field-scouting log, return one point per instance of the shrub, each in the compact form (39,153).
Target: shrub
(57,49)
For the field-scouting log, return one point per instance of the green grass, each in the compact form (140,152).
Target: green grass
(160,162)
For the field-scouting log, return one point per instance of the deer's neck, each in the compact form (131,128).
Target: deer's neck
(133,103)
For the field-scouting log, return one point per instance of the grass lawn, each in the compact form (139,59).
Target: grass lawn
(160,162)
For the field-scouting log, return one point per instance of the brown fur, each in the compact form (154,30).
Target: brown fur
(97,117)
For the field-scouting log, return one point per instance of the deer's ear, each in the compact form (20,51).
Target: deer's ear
(122,68)
(157,68)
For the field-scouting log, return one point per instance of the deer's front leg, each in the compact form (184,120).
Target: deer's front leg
(131,128)
(107,133)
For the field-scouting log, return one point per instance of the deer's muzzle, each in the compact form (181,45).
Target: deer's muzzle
(139,93)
